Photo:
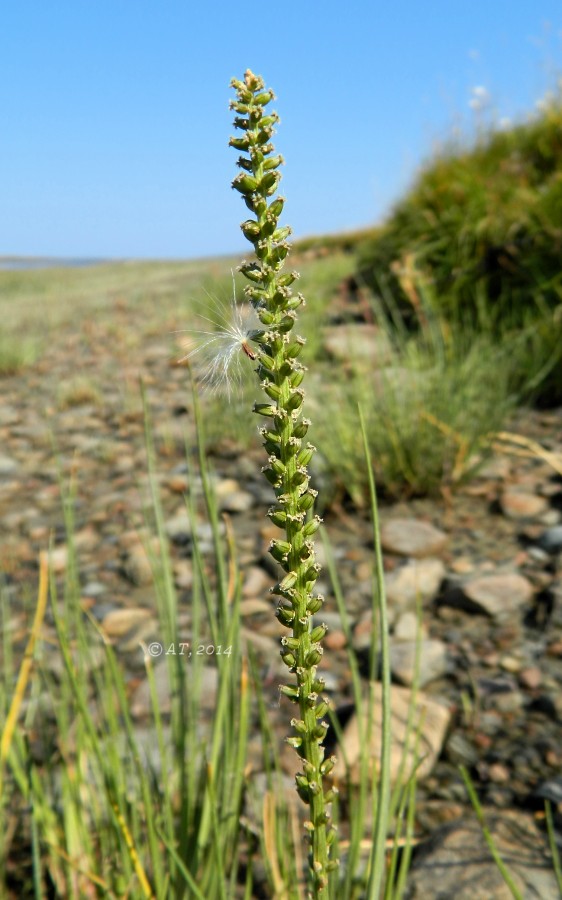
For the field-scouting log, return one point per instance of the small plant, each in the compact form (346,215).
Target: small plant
(281,376)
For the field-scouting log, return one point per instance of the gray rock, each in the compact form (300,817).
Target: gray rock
(551,540)
(429,716)
(419,579)
(432,661)
(178,528)
(412,537)
(7,465)
(499,596)
(457,863)
(137,566)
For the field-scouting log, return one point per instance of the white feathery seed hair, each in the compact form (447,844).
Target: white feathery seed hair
(219,353)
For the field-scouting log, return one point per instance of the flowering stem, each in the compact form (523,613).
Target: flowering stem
(281,375)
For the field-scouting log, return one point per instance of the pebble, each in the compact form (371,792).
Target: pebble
(499,596)
(432,661)
(412,537)
(58,559)
(406,627)
(178,528)
(415,581)
(137,567)
(256,582)
(520,505)
(7,465)
(119,622)
(530,677)
(551,540)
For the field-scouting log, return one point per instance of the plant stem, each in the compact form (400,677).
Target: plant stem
(287,471)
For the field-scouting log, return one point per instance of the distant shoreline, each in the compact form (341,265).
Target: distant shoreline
(21,263)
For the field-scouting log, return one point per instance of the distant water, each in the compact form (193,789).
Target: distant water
(21,263)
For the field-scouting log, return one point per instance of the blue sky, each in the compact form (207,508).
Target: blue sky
(114,118)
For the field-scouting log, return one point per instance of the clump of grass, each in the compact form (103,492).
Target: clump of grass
(484,222)
(483,225)
(431,411)
(79,391)
(16,354)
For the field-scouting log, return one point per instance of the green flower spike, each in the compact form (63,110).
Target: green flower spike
(281,375)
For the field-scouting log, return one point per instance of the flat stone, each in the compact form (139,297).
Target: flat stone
(457,860)
(58,559)
(231,497)
(119,622)
(137,566)
(417,580)
(183,574)
(429,715)
(551,540)
(406,627)
(522,505)
(432,661)
(7,465)
(499,595)
(178,528)
(256,582)
(412,537)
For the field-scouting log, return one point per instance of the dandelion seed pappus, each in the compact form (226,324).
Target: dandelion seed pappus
(216,354)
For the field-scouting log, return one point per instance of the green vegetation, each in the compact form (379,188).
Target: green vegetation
(483,227)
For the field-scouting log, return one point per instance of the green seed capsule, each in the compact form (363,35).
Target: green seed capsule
(295,348)
(312,527)
(273,162)
(313,657)
(327,766)
(299,726)
(276,206)
(318,633)
(271,390)
(266,318)
(306,454)
(320,731)
(314,605)
(288,658)
(285,616)
(282,233)
(300,429)
(240,143)
(250,229)
(252,271)
(306,501)
(264,98)
(288,691)
(264,409)
(291,643)
(279,518)
(279,550)
(295,302)
(246,184)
